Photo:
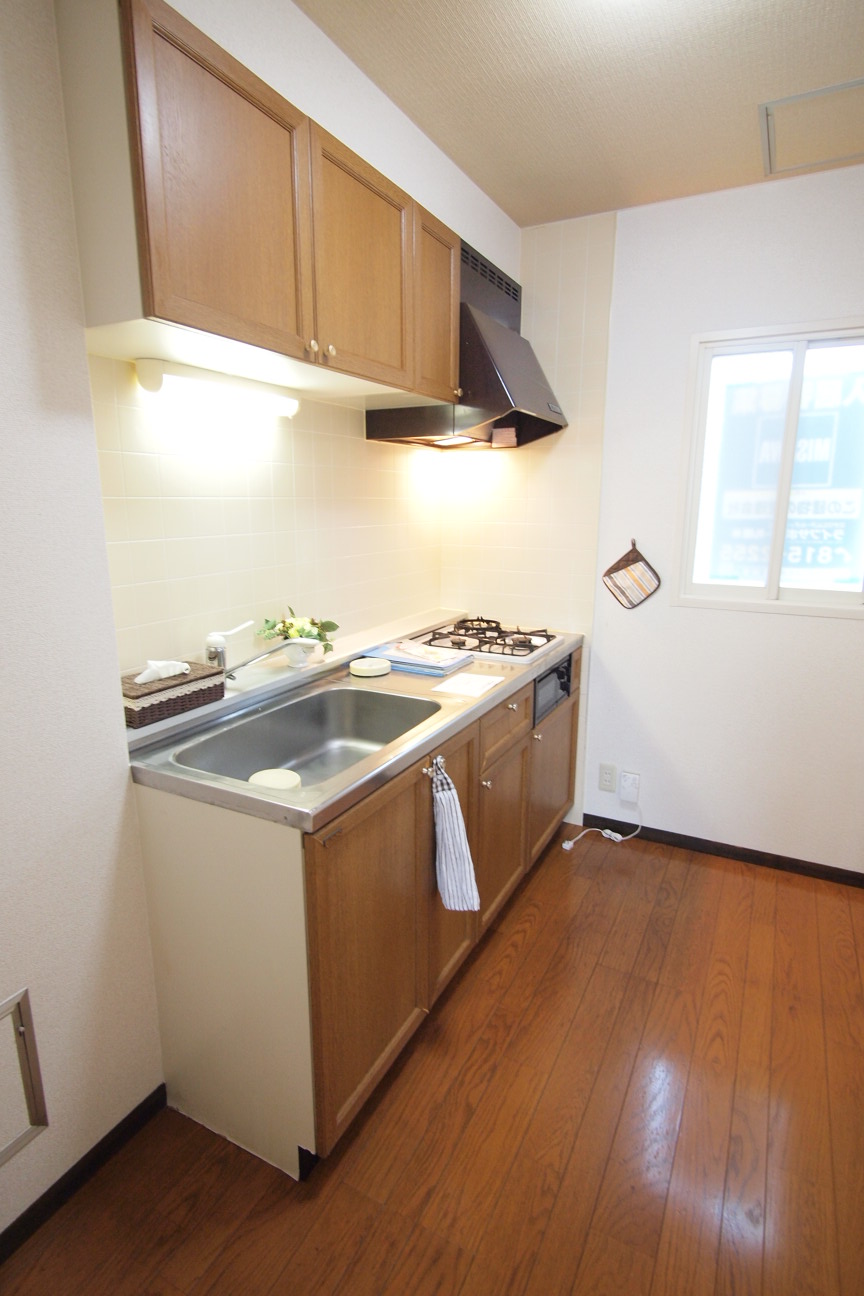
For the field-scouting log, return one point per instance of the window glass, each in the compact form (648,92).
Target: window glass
(746,412)
(775,514)
(824,542)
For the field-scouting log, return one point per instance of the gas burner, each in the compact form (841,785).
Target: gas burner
(481,626)
(517,643)
(483,635)
(453,638)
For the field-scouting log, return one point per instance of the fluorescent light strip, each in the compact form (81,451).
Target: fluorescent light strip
(152,376)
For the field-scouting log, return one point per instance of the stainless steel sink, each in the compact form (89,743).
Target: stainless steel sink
(317,736)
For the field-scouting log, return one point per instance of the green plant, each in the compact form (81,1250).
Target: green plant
(294,627)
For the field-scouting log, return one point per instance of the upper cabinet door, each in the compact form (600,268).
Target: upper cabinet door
(438,269)
(221,166)
(363,265)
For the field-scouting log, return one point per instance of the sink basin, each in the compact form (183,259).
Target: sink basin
(316,736)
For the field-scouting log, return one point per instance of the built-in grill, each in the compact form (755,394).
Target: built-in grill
(484,635)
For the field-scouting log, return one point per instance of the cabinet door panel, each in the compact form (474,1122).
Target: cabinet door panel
(553,769)
(438,269)
(501,820)
(363,258)
(222,188)
(450,933)
(366,983)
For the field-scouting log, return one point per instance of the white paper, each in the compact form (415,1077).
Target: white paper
(468,685)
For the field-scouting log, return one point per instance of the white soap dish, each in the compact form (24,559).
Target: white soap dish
(366,667)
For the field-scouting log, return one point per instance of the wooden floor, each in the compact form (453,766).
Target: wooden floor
(650,1079)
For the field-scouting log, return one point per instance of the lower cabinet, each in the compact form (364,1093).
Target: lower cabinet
(500,861)
(367,979)
(381,944)
(276,1030)
(382,947)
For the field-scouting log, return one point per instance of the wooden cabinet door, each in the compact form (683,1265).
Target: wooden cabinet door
(501,825)
(222,187)
(449,934)
(553,771)
(363,266)
(366,981)
(437,275)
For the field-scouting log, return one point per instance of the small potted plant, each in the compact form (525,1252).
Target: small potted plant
(305,636)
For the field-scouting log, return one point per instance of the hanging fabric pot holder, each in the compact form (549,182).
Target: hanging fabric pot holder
(631,579)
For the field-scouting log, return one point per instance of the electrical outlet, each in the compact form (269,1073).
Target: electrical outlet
(608,778)
(629,790)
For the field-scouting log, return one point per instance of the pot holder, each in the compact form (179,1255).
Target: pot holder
(631,579)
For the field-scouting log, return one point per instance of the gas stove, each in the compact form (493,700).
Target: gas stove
(489,638)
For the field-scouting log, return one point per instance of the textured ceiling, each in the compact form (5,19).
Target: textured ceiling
(560,108)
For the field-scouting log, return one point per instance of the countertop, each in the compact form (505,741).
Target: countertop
(262,688)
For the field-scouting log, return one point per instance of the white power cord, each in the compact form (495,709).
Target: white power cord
(608,833)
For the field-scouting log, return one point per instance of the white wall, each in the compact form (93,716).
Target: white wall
(746,727)
(72,917)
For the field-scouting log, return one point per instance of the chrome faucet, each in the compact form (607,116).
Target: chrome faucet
(259,657)
(215,648)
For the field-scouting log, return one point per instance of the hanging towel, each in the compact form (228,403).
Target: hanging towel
(453,864)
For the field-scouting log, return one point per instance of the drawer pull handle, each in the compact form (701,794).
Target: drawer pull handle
(330,835)
(487,783)
(512,706)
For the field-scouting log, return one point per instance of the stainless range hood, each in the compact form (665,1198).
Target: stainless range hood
(506,398)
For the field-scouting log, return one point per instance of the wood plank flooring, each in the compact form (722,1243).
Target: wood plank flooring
(648,1081)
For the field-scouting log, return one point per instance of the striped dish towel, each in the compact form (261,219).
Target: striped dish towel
(453,864)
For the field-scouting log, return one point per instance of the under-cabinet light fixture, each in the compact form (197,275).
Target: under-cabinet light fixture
(156,375)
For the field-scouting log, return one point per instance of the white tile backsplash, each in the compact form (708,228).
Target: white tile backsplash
(206,530)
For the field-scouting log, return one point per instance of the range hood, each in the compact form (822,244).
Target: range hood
(506,399)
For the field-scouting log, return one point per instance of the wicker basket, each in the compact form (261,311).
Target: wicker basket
(144,704)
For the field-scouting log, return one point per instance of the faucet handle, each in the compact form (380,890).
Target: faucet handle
(215,645)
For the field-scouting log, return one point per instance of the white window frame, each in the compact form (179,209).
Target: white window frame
(771,599)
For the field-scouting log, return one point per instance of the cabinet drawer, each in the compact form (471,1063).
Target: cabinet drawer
(506,724)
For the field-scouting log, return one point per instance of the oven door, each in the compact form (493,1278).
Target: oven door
(550,688)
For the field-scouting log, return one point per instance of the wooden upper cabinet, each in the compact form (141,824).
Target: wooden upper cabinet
(254,223)
(221,168)
(437,277)
(363,265)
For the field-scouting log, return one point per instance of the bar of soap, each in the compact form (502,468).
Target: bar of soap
(278,780)
(366,667)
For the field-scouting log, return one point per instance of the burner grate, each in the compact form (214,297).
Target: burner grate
(484,635)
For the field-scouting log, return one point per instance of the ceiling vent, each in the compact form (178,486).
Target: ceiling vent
(808,132)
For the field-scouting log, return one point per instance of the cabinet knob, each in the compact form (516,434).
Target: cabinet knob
(457,391)
(487,783)
(537,737)
(313,346)
(512,706)
(331,350)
